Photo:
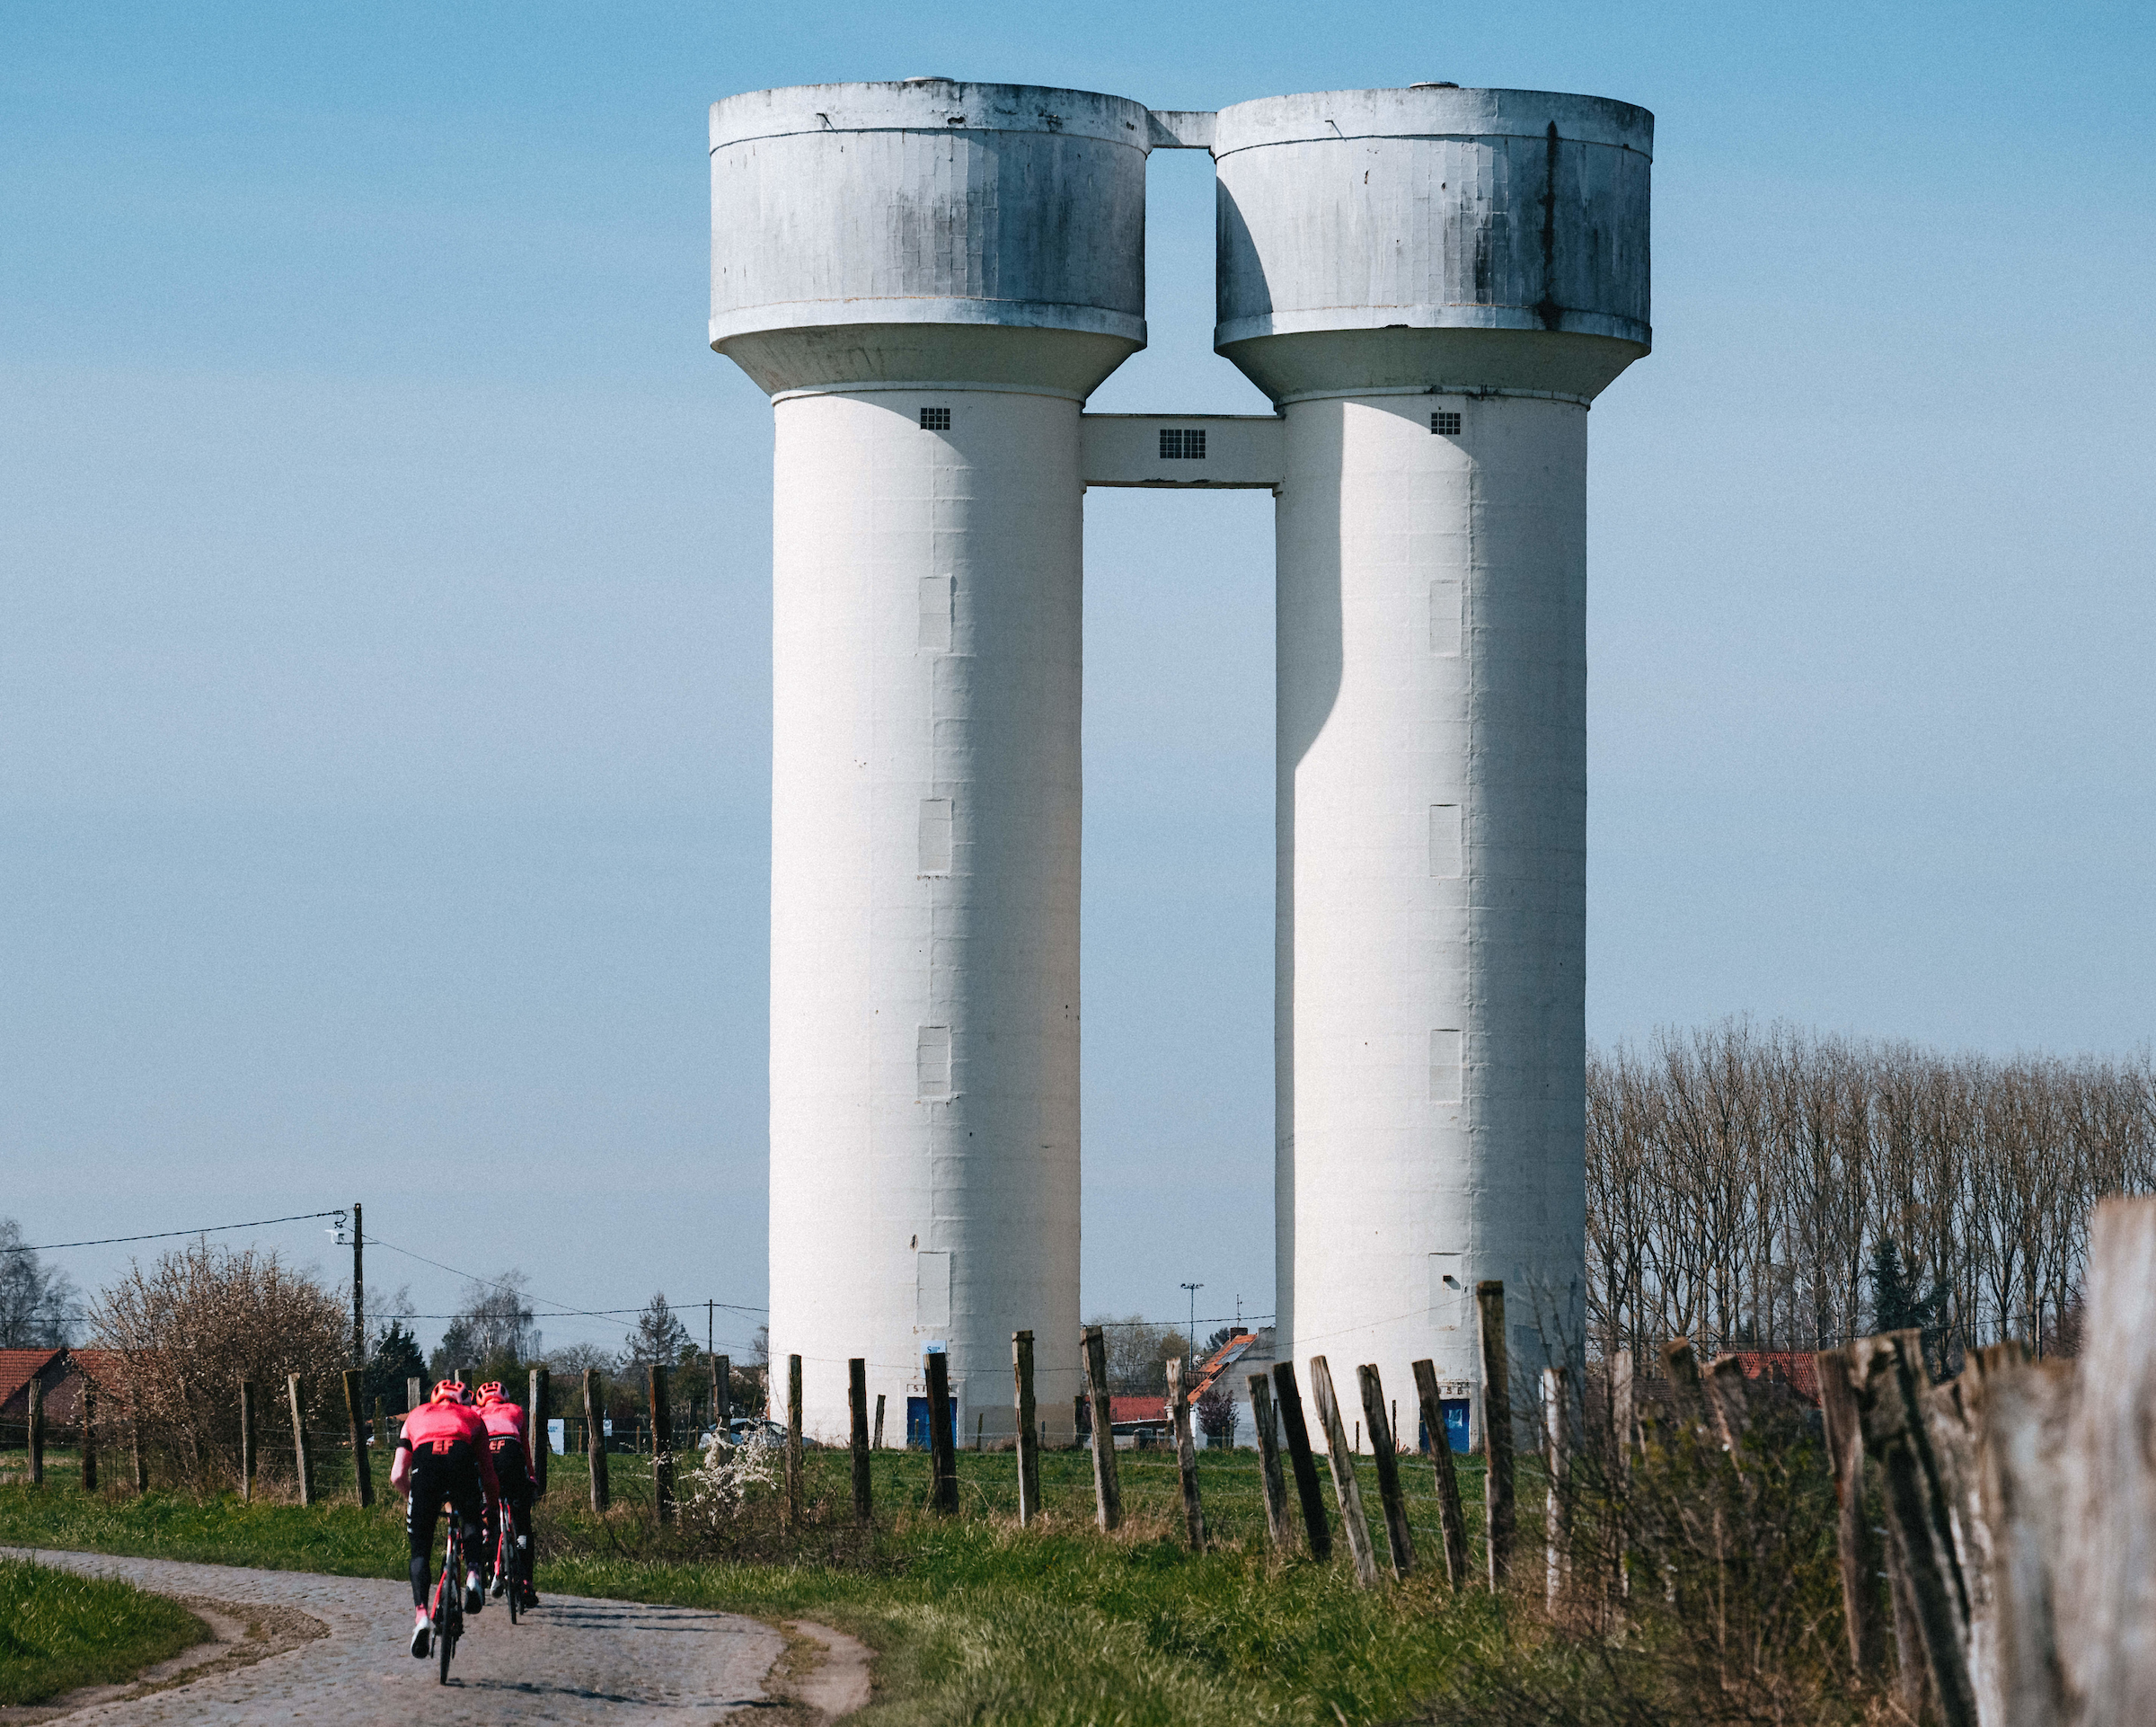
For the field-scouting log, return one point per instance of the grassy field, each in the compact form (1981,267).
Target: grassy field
(974,1618)
(58,1630)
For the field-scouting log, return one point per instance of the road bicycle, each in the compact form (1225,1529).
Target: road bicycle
(512,1563)
(449,1596)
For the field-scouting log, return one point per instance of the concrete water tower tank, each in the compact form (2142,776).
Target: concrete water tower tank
(1433,284)
(928,278)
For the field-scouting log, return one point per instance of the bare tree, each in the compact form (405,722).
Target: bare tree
(1740,1182)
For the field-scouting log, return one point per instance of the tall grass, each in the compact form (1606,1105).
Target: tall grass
(58,1630)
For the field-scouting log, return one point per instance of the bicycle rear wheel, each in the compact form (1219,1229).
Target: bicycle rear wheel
(513,1591)
(450,1621)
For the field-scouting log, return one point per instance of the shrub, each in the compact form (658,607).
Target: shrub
(194,1326)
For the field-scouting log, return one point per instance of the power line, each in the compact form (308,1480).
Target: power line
(167,1235)
(567,1311)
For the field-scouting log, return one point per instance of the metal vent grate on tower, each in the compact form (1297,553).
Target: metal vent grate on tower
(1445,422)
(935,420)
(1183,444)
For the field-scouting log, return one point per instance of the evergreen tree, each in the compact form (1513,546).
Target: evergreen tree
(395,1358)
(659,1336)
(1895,1303)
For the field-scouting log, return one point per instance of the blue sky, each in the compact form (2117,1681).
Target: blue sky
(385,565)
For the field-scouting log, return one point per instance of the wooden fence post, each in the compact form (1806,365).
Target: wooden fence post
(1449,1518)
(1888,1375)
(1497,1428)
(539,1440)
(1186,1457)
(303,1455)
(1108,1497)
(594,1438)
(142,1457)
(793,1442)
(1278,1525)
(2111,1473)
(1621,1418)
(2023,1478)
(1729,1401)
(37,1431)
(1399,1542)
(857,1406)
(363,1477)
(247,1459)
(89,1403)
(662,1444)
(415,1393)
(1347,1491)
(942,1443)
(1028,1430)
(876,1439)
(1859,1545)
(1288,1395)
(1556,1469)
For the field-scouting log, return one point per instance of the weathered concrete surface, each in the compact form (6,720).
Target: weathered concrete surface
(574,1660)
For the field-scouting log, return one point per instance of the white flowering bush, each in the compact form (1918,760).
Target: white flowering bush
(716,1487)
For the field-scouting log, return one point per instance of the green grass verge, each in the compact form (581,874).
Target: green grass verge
(58,1630)
(974,1618)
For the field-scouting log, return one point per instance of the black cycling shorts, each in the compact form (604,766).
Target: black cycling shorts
(436,1477)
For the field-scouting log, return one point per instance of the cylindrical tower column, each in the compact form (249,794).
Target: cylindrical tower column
(1433,284)
(929,278)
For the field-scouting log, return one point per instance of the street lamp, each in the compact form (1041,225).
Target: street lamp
(1192,1344)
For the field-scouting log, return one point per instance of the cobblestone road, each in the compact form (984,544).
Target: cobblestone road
(574,1660)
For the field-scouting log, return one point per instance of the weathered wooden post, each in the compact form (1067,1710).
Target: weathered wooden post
(1296,1431)
(363,1477)
(2023,1467)
(1347,1491)
(942,1443)
(247,1407)
(1186,1457)
(595,1437)
(1450,1520)
(1859,1542)
(1497,1428)
(1729,1400)
(88,1401)
(1399,1542)
(2111,1474)
(303,1454)
(876,1442)
(37,1431)
(1108,1497)
(793,1442)
(1556,1506)
(1620,1466)
(538,1439)
(723,1394)
(1029,1430)
(415,1393)
(1888,1374)
(142,1457)
(857,1407)
(662,1444)
(1278,1526)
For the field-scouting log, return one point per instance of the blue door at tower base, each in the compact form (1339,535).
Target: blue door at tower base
(916,1422)
(1454,1411)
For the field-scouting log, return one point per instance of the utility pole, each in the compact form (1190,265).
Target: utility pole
(1192,1344)
(359,1293)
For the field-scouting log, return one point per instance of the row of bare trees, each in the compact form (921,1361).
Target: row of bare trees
(1742,1185)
